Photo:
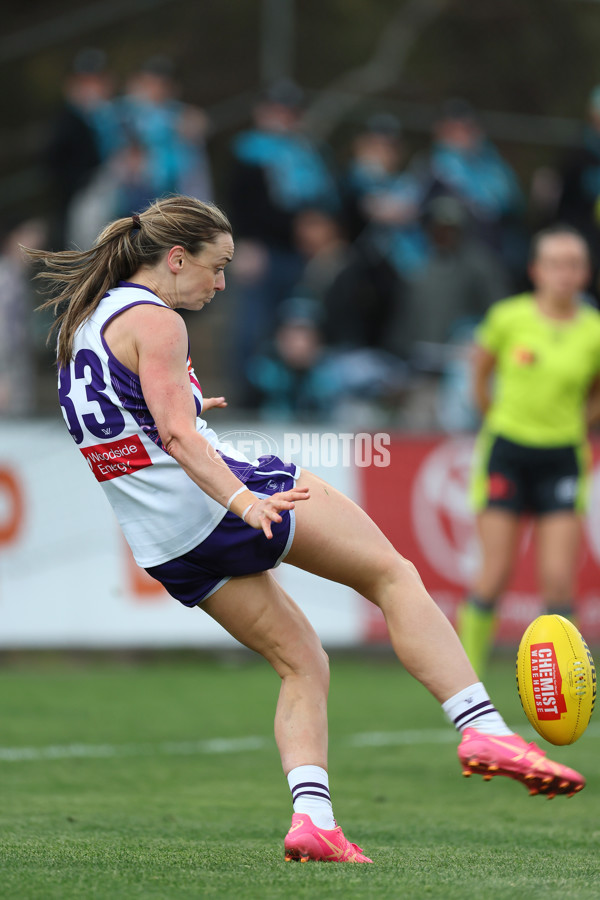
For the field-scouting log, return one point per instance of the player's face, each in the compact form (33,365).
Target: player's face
(202,275)
(561,268)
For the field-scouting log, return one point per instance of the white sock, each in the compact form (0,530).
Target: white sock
(472,708)
(310,795)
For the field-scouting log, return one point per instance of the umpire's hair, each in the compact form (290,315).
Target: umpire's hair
(78,279)
(559,228)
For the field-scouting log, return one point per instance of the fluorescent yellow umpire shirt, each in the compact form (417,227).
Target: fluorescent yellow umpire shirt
(544,370)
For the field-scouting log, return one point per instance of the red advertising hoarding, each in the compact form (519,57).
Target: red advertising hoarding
(421,503)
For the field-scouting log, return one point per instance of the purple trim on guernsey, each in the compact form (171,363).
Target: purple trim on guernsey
(142,287)
(127,385)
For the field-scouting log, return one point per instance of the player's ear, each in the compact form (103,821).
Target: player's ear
(175,258)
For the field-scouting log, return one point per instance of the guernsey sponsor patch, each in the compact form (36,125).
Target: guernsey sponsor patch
(116,458)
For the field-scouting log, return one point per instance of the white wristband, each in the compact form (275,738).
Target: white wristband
(234,495)
(247,510)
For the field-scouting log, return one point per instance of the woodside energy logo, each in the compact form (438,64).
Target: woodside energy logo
(122,457)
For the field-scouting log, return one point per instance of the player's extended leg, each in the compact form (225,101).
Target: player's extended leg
(498,540)
(558,537)
(256,611)
(334,538)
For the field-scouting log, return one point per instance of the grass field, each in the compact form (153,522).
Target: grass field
(162,780)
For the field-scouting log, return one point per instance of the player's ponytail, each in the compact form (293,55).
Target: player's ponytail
(78,279)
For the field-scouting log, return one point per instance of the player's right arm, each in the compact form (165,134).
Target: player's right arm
(158,350)
(483,367)
(489,340)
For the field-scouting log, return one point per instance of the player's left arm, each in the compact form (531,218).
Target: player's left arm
(593,403)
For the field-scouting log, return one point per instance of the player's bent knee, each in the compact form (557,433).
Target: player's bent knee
(318,660)
(322,666)
(304,656)
(395,573)
(404,569)
(313,665)
(409,567)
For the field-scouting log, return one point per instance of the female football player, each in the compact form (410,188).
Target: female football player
(541,352)
(210,524)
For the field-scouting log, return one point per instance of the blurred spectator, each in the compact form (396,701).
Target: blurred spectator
(383,198)
(579,199)
(433,329)
(545,195)
(17,301)
(461,280)
(292,374)
(118,188)
(465,163)
(85,132)
(277,170)
(160,150)
(172,133)
(297,376)
(357,289)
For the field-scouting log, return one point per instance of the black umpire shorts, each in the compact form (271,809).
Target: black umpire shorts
(523,479)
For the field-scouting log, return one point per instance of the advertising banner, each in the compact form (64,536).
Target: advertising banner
(67,577)
(421,503)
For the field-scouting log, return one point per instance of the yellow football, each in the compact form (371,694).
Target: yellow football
(556,679)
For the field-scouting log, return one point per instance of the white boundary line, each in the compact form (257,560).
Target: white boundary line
(104,751)
(218,746)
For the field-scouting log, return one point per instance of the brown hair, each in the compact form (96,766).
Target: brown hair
(78,279)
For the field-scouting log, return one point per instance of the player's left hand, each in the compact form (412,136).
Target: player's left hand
(268,509)
(212,402)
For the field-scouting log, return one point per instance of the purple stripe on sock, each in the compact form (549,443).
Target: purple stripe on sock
(477,716)
(309,784)
(480,709)
(311,794)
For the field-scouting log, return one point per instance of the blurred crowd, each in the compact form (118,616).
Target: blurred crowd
(360,271)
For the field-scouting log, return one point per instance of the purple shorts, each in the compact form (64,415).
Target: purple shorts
(233,548)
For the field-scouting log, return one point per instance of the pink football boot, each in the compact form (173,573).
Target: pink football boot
(305,841)
(489,755)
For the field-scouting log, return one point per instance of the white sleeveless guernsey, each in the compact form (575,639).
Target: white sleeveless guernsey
(162,512)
